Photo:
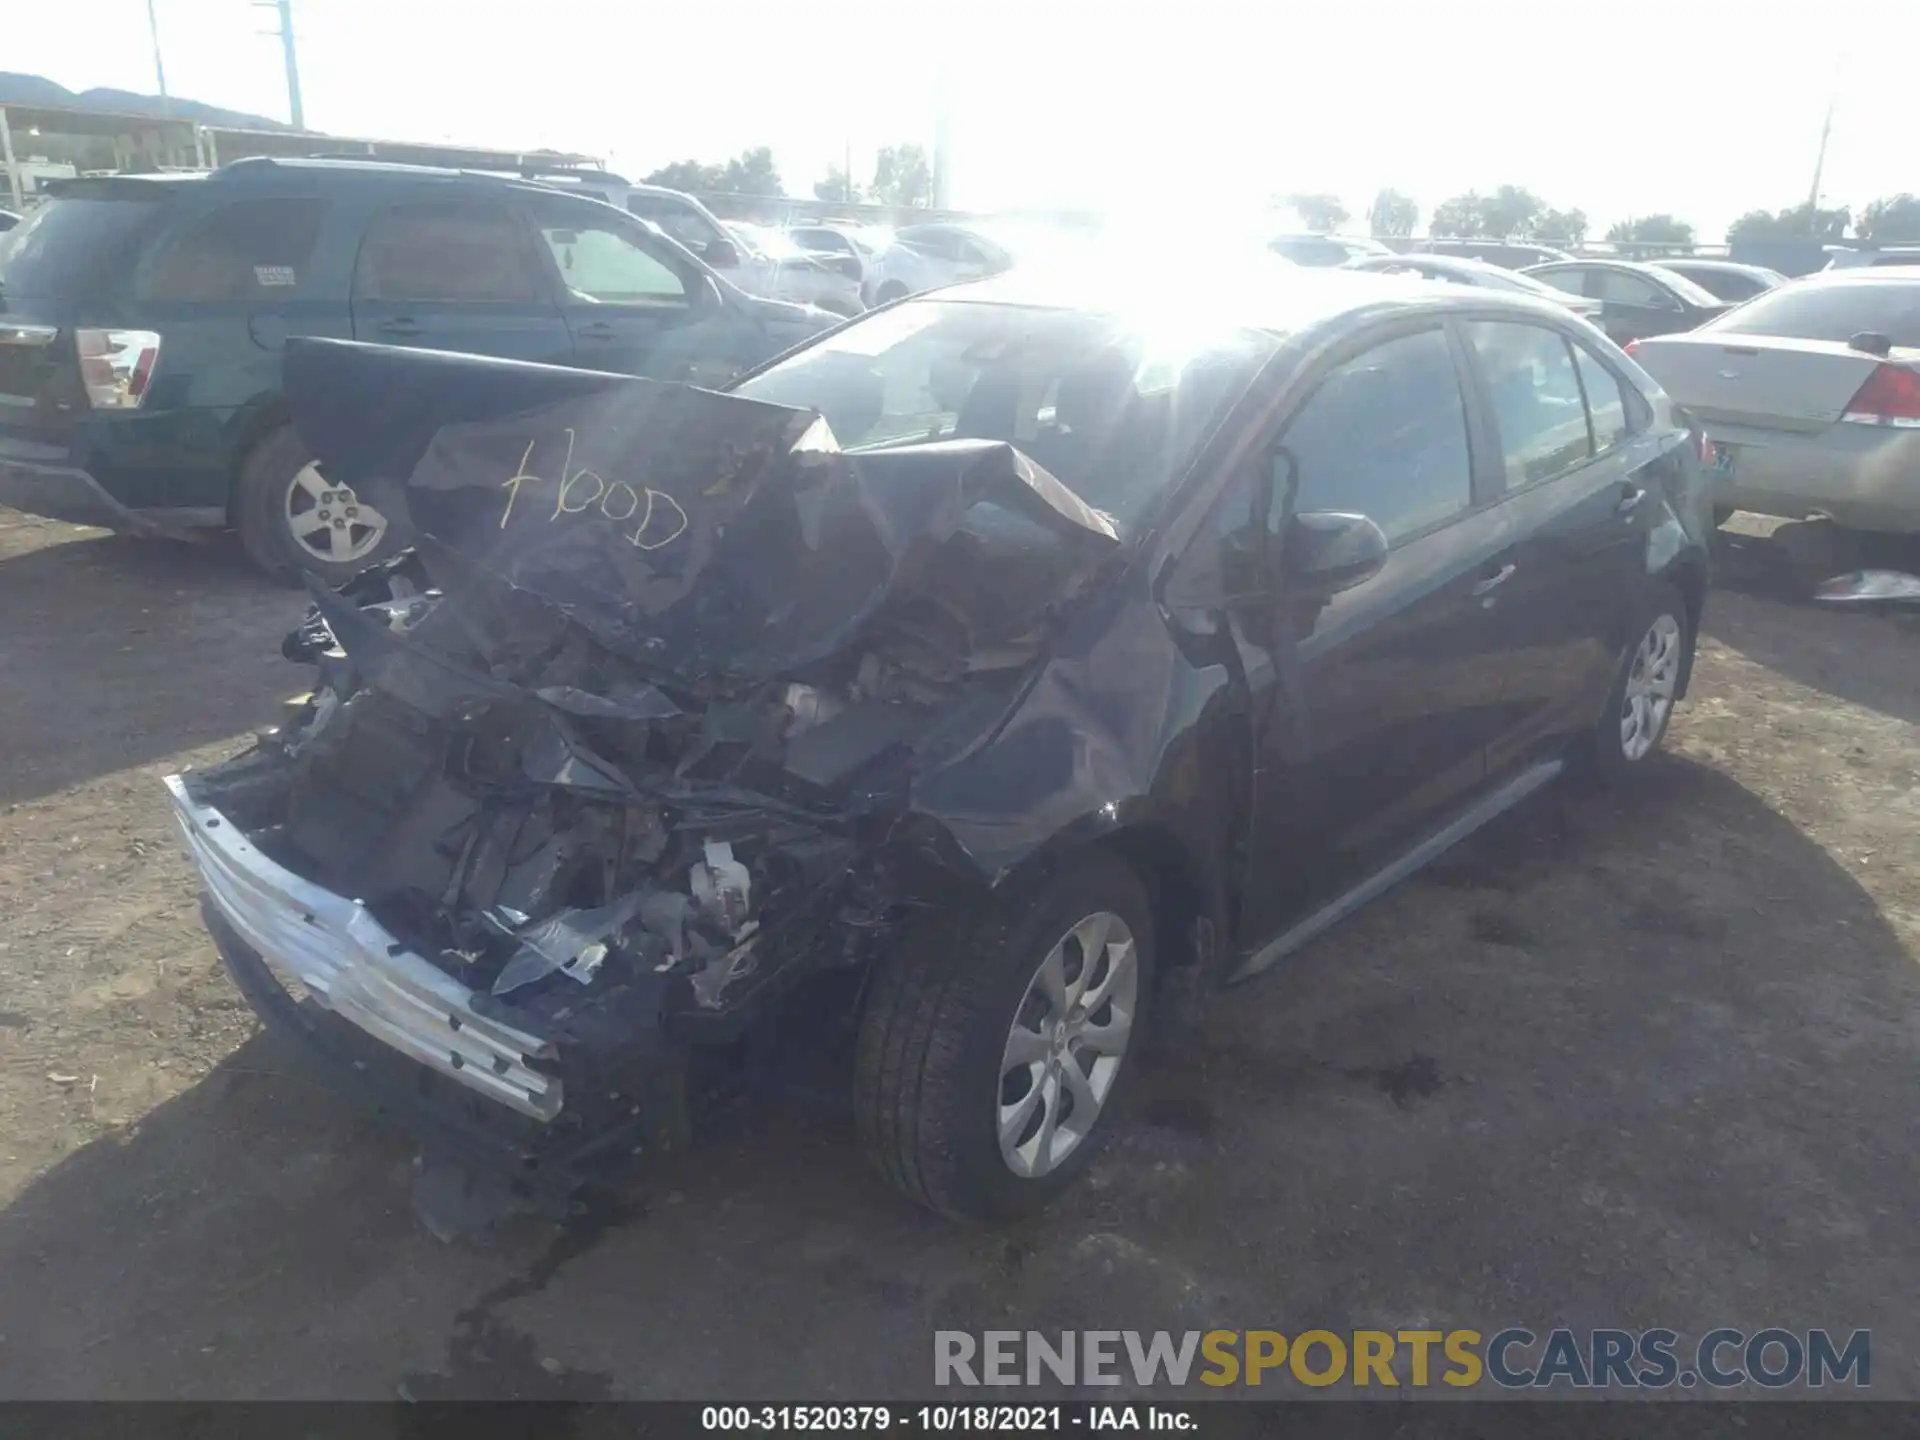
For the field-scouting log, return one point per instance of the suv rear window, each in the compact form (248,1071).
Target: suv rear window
(76,243)
(254,249)
(1834,310)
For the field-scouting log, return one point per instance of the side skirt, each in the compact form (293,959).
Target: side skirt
(1334,911)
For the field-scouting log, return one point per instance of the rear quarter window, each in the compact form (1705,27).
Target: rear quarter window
(73,246)
(249,250)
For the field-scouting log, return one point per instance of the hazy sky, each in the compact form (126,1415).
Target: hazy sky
(1192,109)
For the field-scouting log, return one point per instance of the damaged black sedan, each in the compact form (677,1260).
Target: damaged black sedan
(983,666)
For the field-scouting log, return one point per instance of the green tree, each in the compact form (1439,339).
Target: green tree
(901,176)
(1561,227)
(751,172)
(1321,214)
(689,175)
(1463,217)
(1891,220)
(1652,230)
(837,186)
(1797,222)
(1392,214)
(1509,211)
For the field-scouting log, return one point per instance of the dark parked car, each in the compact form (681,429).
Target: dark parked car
(143,319)
(954,682)
(1508,254)
(1726,279)
(1453,270)
(1636,300)
(8,220)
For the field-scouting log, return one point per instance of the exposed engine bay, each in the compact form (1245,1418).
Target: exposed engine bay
(649,724)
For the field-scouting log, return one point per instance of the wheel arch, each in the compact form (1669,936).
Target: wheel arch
(249,427)
(1688,574)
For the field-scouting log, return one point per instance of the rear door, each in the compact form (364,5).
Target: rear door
(633,304)
(1374,710)
(1634,306)
(1574,514)
(456,274)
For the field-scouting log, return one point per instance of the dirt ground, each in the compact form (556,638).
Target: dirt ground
(1641,1059)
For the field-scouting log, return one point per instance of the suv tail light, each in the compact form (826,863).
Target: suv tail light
(1891,396)
(116,366)
(1631,346)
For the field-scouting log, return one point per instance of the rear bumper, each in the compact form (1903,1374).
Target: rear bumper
(38,480)
(1864,476)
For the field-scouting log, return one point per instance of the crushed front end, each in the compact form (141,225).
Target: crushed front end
(584,789)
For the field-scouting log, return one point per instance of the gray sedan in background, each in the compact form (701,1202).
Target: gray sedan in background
(1810,395)
(1725,279)
(1455,270)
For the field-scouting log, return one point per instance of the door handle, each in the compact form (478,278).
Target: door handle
(1630,497)
(401,325)
(1494,581)
(595,330)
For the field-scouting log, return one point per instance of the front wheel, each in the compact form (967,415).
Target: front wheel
(991,1053)
(1645,688)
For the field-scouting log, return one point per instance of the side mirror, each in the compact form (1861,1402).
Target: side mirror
(1870,342)
(721,254)
(1328,551)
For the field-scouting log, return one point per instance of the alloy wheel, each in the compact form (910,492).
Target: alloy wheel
(329,522)
(1068,1040)
(1651,683)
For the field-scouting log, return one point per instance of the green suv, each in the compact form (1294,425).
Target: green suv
(142,320)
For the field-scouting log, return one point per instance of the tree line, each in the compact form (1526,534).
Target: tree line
(901,177)
(1513,212)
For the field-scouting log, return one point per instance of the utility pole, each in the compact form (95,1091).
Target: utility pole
(1820,159)
(285,8)
(159,69)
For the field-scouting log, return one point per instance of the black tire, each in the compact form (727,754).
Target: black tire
(1607,752)
(889,292)
(937,1021)
(260,506)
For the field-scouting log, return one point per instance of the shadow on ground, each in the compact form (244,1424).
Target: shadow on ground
(116,652)
(1640,1059)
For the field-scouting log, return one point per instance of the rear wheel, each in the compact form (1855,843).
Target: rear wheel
(292,520)
(991,1053)
(1645,688)
(889,292)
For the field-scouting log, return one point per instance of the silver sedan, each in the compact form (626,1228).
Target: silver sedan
(1810,395)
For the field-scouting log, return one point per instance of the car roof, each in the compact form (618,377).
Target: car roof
(1863,274)
(257,169)
(1280,299)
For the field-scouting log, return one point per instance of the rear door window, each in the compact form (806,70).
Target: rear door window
(77,244)
(1624,288)
(1606,399)
(448,252)
(1536,397)
(250,250)
(1385,435)
(1573,282)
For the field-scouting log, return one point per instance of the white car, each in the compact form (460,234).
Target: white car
(790,275)
(839,243)
(923,256)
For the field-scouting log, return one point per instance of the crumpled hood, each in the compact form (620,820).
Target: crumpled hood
(709,539)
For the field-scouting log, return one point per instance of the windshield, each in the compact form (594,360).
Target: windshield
(1111,407)
(68,246)
(1830,310)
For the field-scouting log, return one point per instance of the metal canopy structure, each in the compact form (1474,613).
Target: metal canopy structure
(102,140)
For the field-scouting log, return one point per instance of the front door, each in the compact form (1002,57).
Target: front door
(1633,307)
(1374,707)
(456,275)
(635,306)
